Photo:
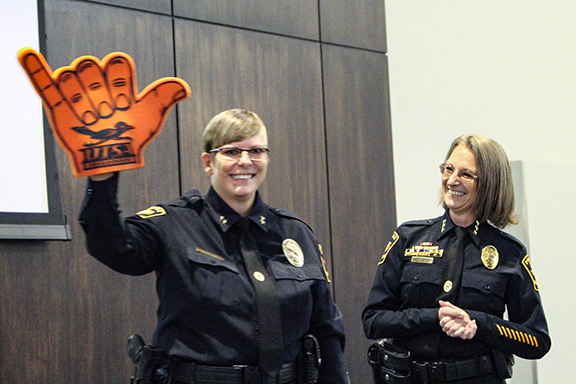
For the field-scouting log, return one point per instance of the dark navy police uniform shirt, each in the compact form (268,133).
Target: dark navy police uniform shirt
(497,275)
(207,309)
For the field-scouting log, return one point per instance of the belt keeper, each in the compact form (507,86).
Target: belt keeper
(419,371)
(436,371)
(451,372)
(249,374)
(188,374)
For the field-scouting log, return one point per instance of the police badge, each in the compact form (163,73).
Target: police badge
(293,252)
(490,257)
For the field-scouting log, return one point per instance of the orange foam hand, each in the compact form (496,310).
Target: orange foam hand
(96,112)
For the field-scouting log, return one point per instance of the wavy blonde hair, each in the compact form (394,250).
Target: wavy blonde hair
(495,194)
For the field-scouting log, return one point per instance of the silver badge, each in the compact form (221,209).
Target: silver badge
(293,252)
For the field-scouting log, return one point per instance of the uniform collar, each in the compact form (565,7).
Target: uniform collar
(447,226)
(226,217)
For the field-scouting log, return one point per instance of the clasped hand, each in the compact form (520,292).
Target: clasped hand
(456,322)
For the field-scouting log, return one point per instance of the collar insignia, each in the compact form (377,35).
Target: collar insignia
(476,228)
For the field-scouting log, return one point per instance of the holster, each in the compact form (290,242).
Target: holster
(151,365)
(309,360)
(504,363)
(390,364)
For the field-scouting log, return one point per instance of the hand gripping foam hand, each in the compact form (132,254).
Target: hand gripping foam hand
(95,112)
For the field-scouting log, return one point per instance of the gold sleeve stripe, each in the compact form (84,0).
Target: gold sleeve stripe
(524,338)
(517,335)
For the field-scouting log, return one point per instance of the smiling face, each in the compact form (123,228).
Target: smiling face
(237,180)
(460,195)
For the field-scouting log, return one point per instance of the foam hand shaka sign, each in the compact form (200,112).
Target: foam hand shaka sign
(96,112)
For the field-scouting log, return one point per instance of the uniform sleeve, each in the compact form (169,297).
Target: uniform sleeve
(327,325)
(383,317)
(333,367)
(525,334)
(126,248)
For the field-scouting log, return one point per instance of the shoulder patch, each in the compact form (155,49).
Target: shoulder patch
(151,212)
(526,263)
(324,263)
(391,244)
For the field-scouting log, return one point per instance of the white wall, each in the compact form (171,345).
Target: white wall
(507,70)
(22,163)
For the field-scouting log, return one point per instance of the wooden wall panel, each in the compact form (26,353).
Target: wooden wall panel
(279,79)
(69,314)
(297,18)
(98,30)
(161,6)
(358,23)
(64,315)
(361,183)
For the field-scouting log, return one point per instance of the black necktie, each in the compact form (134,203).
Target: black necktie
(452,275)
(268,307)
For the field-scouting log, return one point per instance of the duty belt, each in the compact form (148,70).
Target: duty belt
(193,373)
(425,372)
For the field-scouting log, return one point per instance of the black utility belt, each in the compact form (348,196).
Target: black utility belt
(426,371)
(239,374)
(392,364)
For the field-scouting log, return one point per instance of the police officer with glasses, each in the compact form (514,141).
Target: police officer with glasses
(243,294)
(442,285)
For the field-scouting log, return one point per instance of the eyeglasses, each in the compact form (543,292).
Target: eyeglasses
(234,153)
(464,174)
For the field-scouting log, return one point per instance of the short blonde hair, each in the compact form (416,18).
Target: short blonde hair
(495,194)
(231,126)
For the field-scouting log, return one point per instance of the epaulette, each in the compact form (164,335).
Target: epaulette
(422,222)
(187,199)
(190,199)
(287,214)
(507,235)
